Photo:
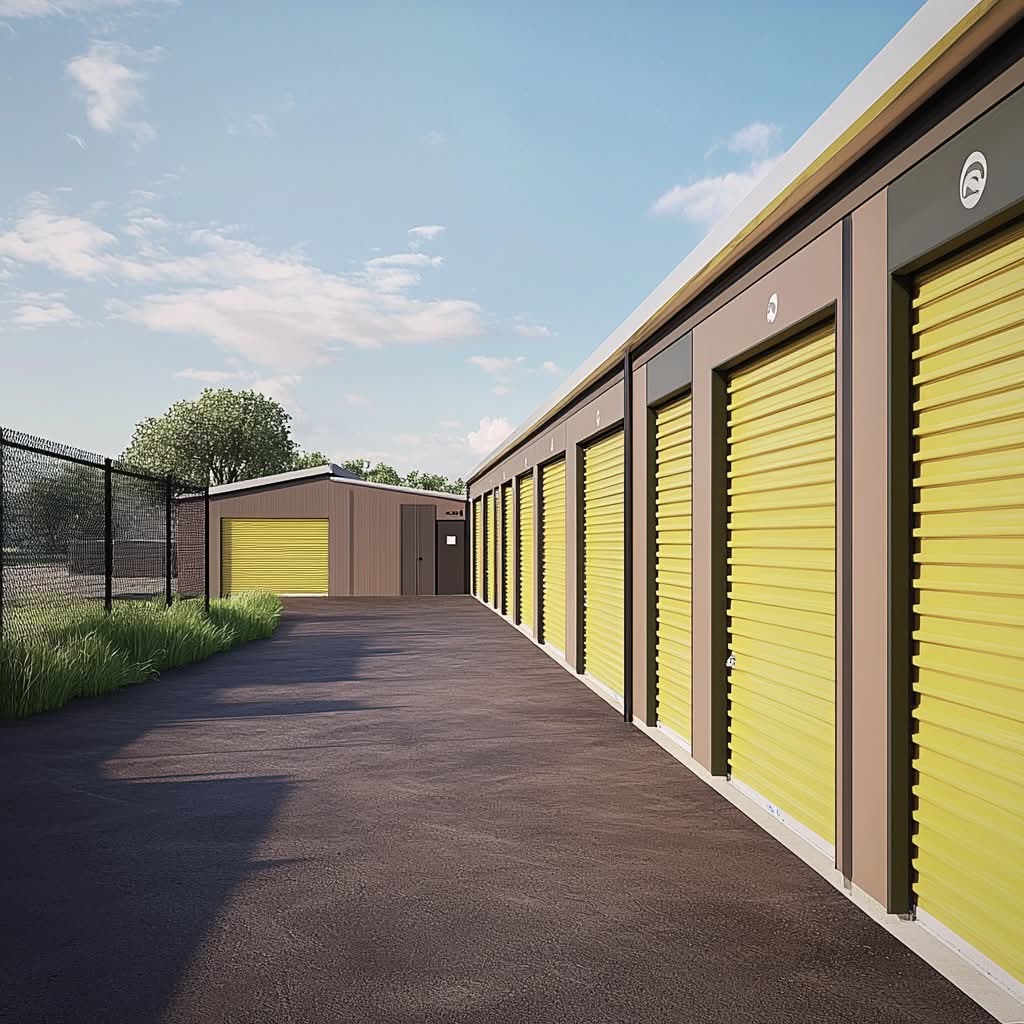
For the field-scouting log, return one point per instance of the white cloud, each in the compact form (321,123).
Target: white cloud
(553,368)
(490,433)
(45,314)
(497,366)
(356,399)
(706,201)
(501,390)
(212,376)
(282,389)
(755,139)
(273,308)
(434,138)
(424,233)
(405,259)
(43,8)
(256,125)
(69,245)
(76,139)
(525,329)
(111,87)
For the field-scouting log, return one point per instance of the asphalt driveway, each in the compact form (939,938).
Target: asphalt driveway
(402,811)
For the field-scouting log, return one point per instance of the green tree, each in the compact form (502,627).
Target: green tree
(309,460)
(358,466)
(222,436)
(382,473)
(434,482)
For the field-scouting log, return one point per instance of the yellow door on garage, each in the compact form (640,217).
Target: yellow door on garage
(489,547)
(283,556)
(968,598)
(507,550)
(604,561)
(673,530)
(552,554)
(524,548)
(781,579)
(478,548)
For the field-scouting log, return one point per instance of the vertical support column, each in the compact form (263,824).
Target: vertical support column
(538,547)
(627,536)
(108,535)
(3,516)
(206,548)
(168,549)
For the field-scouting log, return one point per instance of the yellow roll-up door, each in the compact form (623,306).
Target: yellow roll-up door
(604,561)
(478,548)
(488,547)
(552,554)
(781,579)
(283,556)
(507,551)
(968,640)
(673,529)
(524,546)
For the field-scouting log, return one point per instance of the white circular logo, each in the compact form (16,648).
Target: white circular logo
(973,179)
(597,418)
(552,445)
(773,308)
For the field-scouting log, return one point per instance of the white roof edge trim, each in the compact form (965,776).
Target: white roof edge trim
(935,20)
(398,487)
(275,478)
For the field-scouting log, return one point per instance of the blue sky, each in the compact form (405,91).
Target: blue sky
(407,221)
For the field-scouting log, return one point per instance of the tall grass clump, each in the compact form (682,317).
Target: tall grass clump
(86,652)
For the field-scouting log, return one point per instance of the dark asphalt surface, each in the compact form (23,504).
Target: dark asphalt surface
(402,811)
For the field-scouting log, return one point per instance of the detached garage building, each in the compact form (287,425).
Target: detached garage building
(322,532)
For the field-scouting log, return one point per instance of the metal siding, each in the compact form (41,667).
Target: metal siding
(524,542)
(781,578)
(968,592)
(673,534)
(284,556)
(604,561)
(507,551)
(478,548)
(552,558)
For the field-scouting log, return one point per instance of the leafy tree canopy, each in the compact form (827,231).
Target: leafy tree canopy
(222,436)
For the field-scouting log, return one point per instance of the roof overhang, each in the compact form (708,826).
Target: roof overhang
(931,48)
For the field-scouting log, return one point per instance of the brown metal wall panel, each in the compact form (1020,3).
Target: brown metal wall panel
(365,528)
(870,583)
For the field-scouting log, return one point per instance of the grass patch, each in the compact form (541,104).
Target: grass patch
(87,652)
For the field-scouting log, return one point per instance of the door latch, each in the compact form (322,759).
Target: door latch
(730,662)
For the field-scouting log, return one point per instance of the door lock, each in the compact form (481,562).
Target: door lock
(730,662)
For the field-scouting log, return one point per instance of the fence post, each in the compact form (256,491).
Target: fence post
(108,535)
(168,550)
(206,548)
(3,517)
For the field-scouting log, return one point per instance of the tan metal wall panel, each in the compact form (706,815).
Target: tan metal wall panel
(552,554)
(968,552)
(604,559)
(673,533)
(781,579)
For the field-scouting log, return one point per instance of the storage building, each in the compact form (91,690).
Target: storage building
(777,518)
(323,532)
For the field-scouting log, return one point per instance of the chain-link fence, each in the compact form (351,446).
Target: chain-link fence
(77,528)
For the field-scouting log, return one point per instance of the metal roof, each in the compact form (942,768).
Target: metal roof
(919,57)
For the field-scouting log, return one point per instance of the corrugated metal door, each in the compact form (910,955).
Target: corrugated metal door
(604,561)
(781,579)
(489,546)
(507,550)
(478,548)
(968,639)
(673,530)
(283,556)
(524,544)
(552,554)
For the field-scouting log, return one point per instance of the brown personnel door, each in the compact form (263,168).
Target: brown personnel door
(418,549)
